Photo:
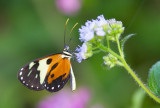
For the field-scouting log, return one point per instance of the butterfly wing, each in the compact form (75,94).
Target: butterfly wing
(33,74)
(58,75)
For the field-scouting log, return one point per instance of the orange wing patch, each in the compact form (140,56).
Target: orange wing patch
(58,67)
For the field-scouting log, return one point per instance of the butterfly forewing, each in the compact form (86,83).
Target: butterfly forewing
(58,75)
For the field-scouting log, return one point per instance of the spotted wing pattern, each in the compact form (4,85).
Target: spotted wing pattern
(32,75)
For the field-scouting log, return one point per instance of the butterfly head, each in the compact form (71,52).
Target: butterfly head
(66,48)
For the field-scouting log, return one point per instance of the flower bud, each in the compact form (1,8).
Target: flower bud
(110,60)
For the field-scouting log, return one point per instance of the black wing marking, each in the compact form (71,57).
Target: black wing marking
(56,84)
(30,77)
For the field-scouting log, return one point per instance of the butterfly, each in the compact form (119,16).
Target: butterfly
(51,72)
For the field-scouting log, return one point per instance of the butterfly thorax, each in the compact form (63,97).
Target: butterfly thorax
(66,54)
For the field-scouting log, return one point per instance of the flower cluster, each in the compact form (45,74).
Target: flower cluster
(95,32)
(97,35)
(110,60)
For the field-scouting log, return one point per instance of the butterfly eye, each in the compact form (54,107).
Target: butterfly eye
(66,48)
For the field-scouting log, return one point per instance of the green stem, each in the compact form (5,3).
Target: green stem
(126,66)
(119,63)
(108,43)
(94,48)
(119,49)
(103,48)
(97,51)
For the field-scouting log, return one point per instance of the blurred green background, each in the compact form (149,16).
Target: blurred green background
(30,29)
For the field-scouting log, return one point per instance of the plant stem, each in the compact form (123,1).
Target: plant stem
(108,43)
(119,49)
(126,66)
(103,48)
(97,51)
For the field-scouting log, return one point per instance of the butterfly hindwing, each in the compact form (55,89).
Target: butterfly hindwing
(57,75)
(30,76)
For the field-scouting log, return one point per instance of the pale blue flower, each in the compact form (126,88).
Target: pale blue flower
(115,24)
(81,52)
(86,34)
(100,21)
(87,31)
(90,24)
(112,21)
(100,31)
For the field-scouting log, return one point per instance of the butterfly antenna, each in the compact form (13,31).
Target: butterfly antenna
(65,31)
(72,30)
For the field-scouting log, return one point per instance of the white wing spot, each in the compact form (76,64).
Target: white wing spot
(26,84)
(58,86)
(31,65)
(52,88)
(37,87)
(32,86)
(36,76)
(23,81)
(21,78)
(47,87)
(43,68)
(22,68)
(29,73)
(20,73)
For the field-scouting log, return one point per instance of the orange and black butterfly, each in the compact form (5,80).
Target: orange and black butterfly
(50,72)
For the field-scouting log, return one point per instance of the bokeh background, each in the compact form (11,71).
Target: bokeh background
(30,29)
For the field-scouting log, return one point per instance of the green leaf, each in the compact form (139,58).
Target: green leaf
(154,79)
(122,42)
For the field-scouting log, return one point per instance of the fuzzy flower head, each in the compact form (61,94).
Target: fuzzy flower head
(83,52)
(116,29)
(88,31)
